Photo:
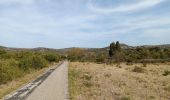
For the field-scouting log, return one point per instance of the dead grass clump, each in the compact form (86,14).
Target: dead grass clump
(156,64)
(118,65)
(167,88)
(129,63)
(124,98)
(144,65)
(152,97)
(107,75)
(166,73)
(138,69)
(87,83)
(87,77)
(87,80)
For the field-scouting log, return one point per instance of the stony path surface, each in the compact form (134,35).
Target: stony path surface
(52,85)
(55,87)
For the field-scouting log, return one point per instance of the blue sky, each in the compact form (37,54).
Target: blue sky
(83,23)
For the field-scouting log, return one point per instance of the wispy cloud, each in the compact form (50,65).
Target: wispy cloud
(65,23)
(140,5)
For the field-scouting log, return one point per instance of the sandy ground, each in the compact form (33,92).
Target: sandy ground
(54,87)
(119,82)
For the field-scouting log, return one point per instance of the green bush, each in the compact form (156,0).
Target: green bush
(25,64)
(38,62)
(51,57)
(9,70)
(15,64)
(34,61)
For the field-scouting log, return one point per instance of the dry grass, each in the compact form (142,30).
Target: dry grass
(15,84)
(113,82)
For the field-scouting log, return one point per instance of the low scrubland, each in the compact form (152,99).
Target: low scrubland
(116,71)
(14,65)
(116,53)
(119,81)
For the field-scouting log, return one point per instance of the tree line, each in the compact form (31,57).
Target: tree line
(115,53)
(139,54)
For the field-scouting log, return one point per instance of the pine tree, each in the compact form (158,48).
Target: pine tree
(118,48)
(112,49)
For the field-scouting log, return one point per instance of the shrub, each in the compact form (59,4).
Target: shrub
(100,58)
(34,61)
(38,62)
(75,54)
(25,63)
(129,60)
(15,64)
(9,70)
(51,57)
(138,69)
(166,72)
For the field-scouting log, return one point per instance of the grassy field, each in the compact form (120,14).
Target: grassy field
(90,81)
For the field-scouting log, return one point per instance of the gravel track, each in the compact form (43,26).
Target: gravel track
(55,87)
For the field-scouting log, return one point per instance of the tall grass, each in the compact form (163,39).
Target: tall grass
(73,76)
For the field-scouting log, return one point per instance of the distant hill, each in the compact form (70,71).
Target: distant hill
(160,46)
(123,46)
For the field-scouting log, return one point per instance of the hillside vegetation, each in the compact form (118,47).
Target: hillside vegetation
(16,64)
(120,72)
(121,53)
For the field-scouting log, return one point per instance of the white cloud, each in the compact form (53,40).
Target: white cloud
(124,8)
(75,24)
(31,21)
(130,25)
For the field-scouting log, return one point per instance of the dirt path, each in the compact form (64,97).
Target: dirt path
(55,87)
